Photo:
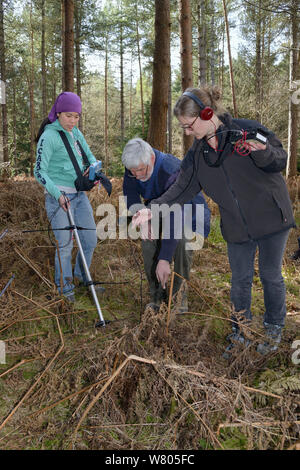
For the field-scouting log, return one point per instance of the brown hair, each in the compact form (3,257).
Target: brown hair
(209,95)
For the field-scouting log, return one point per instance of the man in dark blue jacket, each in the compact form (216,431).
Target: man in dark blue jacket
(148,174)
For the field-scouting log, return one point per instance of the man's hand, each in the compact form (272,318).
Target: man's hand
(141,217)
(163,272)
(64,202)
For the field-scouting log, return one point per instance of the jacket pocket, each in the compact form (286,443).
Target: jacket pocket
(283,205)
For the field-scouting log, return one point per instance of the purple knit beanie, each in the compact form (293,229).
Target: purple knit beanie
(66,102)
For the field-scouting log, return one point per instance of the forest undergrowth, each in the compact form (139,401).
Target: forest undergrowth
(146,381)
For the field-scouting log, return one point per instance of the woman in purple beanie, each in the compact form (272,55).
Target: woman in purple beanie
(55,171)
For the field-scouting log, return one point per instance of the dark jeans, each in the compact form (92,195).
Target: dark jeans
(182,265)
(241,259)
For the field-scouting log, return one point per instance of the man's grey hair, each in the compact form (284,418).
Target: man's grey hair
(135,152)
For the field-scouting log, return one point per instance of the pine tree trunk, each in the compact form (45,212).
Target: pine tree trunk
(106,162)
(235,113)
(68,65)
(140,71)
(201,42)
(14,120)
(4,147)
(258,63)
(161,73)
(212,43)
(31,98)
(122,120)
(53,75)
(78,16)
(170,115)
(63,45)
(43,62)
(294,104)
(77,45)
(186,53)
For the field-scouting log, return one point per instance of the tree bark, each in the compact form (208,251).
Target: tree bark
(161,73)
(140,71)
(212,44)
(63,44)
(201,42)
(186,54)
(4,147)
(31,97)
(106,162)
(78,18)
(68,65)
(235,113)
(294,104)
(258,61)
(43,62)
(122,104)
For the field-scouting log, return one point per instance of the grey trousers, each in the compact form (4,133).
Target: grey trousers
(182,265)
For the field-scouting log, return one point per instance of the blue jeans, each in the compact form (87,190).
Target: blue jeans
(83,217)
(241,258)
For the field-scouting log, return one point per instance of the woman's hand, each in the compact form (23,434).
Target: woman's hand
(256,145)
(64,202)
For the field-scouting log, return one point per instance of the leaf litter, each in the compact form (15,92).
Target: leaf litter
(147,380)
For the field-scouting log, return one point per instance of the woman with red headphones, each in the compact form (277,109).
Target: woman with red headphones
(237,163)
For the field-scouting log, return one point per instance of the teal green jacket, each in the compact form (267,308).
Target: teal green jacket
(53,165)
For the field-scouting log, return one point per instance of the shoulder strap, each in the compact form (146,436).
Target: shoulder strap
(85,158)
(70,152)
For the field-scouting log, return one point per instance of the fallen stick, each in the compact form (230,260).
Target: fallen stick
(34,267)
(255,424)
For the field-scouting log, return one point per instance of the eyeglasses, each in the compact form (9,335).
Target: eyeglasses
(145,170)
(188,126)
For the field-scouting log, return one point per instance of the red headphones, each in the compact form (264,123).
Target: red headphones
(206,112)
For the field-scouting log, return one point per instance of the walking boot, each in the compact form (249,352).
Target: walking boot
(273,338)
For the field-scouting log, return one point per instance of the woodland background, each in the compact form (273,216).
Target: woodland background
(146,53)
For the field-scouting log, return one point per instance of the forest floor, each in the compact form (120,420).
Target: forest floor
(146,381)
